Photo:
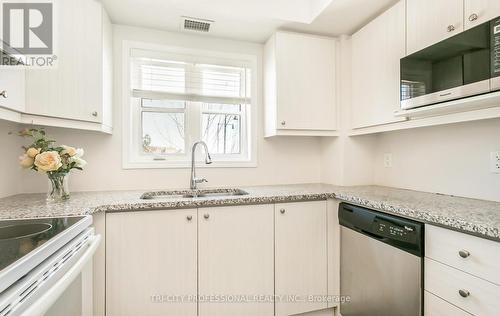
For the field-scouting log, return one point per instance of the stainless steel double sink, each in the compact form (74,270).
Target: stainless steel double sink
(190,194)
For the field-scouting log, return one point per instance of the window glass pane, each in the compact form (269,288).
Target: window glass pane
(165,104)
(221,107)
(222,133)
(163,133)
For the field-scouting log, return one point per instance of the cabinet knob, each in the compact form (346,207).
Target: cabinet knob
(473,17)
(282,211)
(3,94)
(189,218)
(450,28)
(94,114)
(206,216)
(464,253)
(283,123)
(464,293)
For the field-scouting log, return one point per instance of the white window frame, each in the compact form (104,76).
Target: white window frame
(132,129)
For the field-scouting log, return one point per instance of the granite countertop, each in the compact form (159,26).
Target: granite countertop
(476,217)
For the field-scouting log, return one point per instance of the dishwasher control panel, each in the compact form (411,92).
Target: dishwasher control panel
(384,228)
(402,233)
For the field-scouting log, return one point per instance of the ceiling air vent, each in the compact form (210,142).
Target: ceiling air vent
(196,25)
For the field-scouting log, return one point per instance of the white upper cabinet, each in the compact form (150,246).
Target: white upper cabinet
(480,11)
(376,51)
(431,21)
(299,86)
(12,83)
(79,88)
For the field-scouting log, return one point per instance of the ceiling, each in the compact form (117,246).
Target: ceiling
(250,20)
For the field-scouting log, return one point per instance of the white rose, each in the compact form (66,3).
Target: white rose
(26,161)
(79,162)
(48,161)
(79,152)
(68,150)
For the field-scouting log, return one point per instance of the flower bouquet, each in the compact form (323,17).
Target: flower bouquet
(43,156)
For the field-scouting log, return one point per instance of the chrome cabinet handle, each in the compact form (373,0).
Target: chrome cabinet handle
(206,216)
(464,293)
(473,17)
(282,211)
(283,123)
(451,28)
(94,114)
(189,218)
(4,94)
(464,253)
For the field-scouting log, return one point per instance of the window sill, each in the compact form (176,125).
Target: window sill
(187,164)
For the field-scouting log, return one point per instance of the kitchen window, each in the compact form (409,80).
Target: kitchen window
(179,98)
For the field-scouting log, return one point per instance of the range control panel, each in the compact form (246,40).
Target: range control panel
(384,228)
(495,47)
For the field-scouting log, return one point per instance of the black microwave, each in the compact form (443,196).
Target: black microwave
(461,66)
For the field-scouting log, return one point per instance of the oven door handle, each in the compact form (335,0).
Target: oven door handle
(42,305)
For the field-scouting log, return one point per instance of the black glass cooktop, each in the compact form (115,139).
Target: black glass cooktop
(20,237)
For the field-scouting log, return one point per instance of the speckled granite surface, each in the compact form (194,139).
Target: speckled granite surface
(477,217)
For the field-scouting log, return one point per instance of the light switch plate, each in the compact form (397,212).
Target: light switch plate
(495,162)
(388,160)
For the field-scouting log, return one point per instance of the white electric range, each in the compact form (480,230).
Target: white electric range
(40,260)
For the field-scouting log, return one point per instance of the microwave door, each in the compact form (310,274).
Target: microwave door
(455,68)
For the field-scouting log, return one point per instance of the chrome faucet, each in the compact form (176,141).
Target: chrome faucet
(208,160)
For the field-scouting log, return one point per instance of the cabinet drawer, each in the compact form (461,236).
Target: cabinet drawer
(446,282)
(482,256)
(435,306)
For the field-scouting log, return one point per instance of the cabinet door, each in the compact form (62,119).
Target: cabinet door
(151,263)
(12,82)
(236,258)
(300,256)
(305,75)
(480,11)
(431,21)
(73,90)
(375,72)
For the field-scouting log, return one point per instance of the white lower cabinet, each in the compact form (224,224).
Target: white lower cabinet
(300,256)
(151,261)
(435,306)
(463,271)
(236,260)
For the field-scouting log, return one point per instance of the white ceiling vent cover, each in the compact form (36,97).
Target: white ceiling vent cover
(195,24)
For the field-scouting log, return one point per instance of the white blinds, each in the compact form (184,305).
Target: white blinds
(189,78)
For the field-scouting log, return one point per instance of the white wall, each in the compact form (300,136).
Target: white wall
(10,148)
(283,160)
(452,159)
(346,160)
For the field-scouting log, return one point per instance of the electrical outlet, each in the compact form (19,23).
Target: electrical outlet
(388,160)
(495,162)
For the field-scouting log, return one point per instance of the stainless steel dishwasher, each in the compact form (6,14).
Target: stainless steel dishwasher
(381,270)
